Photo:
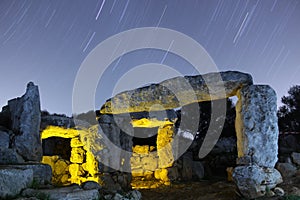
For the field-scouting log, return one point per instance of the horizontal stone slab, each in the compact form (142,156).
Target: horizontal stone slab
(177,92)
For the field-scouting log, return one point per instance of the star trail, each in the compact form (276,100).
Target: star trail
(46,41)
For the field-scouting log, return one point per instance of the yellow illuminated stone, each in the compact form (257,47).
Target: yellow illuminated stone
(137,172)
(91,164)
(141,149)
(56,131)
(82,142)
(77,155)
(161,174)
(149,123)
(64,179)
(75,142)
(60,167)
(164,147)
(151,148)
(135,162)
(149,162)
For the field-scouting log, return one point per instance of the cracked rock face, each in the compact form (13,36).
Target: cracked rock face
(25,117)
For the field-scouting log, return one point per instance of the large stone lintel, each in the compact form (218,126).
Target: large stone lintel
(177,92)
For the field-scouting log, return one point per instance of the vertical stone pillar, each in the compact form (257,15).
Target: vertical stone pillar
(25,114)
(257,140)
(114,155)
(164,146)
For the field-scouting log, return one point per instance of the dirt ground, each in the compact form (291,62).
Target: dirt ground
(213,190)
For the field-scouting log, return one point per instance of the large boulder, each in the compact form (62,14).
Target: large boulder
(254,181)
(166,94)
(256,125)
(12,181)
(25,117)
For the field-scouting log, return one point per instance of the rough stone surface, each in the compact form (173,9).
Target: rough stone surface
(286,169)
(52,120)
(256,125)
(12,181)
(166,93)
(10,156)
(4,140)
(132,195)
(253,180)
(25,123)
(64,193)
(90,185)
(112,131)
(296,158)
(198,170)
(42,173)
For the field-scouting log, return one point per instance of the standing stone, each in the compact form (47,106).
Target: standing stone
(256,126)
(117,155)
(25,123)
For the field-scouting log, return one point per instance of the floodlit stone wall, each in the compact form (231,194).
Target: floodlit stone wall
(150,163)
(81,166)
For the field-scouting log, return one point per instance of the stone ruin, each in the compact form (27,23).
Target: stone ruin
(256,125)
(23,128)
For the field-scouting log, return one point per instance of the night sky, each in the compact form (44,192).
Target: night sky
(45,41)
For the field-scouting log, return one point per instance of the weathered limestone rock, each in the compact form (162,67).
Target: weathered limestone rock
(25,123)
(296,158)
(90,185)
(253,180)
(7,154)
(77,155)
(132,195)
(66,193)
(149,162)
(52,120)
(111,158)
(10,156)
(256,125)
(12,181)
(4,139)
(42,173)
(146,98)
(164,146)
(286,169)
(112,132)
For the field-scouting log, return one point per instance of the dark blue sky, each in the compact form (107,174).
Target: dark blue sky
(46,41)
